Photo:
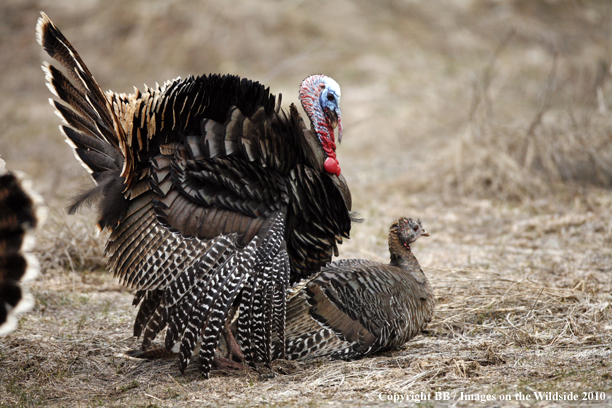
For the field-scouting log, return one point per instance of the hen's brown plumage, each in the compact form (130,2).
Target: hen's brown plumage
(356,307)
(213,196)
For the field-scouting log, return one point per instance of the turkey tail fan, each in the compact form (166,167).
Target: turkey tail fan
(85,96)
(93,130)
(21,211)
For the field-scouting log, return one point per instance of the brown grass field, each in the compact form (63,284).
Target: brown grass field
(490,120)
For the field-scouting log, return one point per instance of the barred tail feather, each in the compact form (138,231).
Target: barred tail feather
(218,316)
(209,309)
(282,269)
(261,317)
(149,302)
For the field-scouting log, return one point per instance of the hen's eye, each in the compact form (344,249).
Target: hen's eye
(330,97)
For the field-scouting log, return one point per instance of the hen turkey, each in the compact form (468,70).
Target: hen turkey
(20,213)
(214,197)
(357,307)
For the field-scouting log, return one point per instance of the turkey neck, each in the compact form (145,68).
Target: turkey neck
(401,254)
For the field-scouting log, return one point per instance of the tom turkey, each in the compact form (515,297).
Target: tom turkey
(20,212)
(214,197)
(356,307)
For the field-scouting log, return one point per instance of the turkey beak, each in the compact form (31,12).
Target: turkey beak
(334,119)
(424,233)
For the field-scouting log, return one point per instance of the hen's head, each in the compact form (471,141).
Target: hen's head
(406,231)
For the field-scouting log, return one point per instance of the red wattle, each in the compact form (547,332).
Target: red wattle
(332,166)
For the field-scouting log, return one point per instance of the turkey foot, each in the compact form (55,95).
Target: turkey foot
(234,352)
(159,353)
(223,363)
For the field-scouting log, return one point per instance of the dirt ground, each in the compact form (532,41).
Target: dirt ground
(490,120)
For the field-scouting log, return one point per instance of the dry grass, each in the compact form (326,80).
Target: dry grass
(560,137)
(70,243)
(491,334)
(522,160)
(519,312)
(488,120)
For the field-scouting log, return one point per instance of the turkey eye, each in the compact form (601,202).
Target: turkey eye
(415,228)
(330,97)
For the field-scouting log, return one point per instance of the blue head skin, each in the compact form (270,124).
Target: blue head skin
(329,100)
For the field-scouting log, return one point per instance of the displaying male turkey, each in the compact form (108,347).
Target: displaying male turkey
(214,196)
(356,307)
(20,210)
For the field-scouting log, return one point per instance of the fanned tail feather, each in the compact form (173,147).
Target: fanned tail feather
(85,94)
(21,211)
(93,130)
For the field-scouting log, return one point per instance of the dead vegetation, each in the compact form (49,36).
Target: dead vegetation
(488,120)
(524,160)
(491,334)
(70,243)
(562,141)
(519,312)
